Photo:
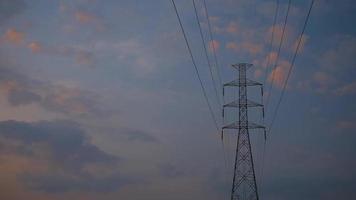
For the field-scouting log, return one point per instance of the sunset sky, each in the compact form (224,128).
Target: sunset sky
(99,100)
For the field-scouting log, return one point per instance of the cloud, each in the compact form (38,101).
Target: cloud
(131,53)
(252,48)
(279,74)
(69,161)
(214,44)
(85,17)
(232,46)
(19,89)
(136,135)
(60,183)
(35,47)
(258,73)
(79,13)
(341,53)
(278,32)
(270,59)
(22,97)
(170,171)
(334,74)
(80,55)
(346,125)
(323,81)
(247,47)
(348,89)
(232,28)
(302,43)
(13,36)
(85,58)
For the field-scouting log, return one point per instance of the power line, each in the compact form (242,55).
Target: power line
(277,58)
(292,65)
(195,66)
(200,81)
(264,83)
(218,72)
(213,44)
(271,42)
(206,52)
(285,83)
(212,76)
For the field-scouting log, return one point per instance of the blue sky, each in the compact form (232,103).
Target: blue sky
(99,100)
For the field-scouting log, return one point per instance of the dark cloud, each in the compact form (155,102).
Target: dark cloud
(22,97)
(62,144)
(169,170)
(309,188)
(58,183)
(68,100)
(10,8)
(66,141)
(137,135)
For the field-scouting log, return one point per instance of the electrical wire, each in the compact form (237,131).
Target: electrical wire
(213,43)
(195,66)
(271,42)
(292,65)
(278,54)
(285,83)
(197,72)
(264,83)
(206,52)
(211,72)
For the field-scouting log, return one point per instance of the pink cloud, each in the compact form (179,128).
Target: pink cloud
(323,81)
(302,43)
(69,99)
(252,48)
(346,89)
(232,28)
(258,73)
(85,17)
(35,47)
(232,46)
(214,44)
(84,58)
(346,125)
(304,85)
(248,47)
(80,56)
(270,59)
(13,36)
(279,74)
(8,86)
(214,19)
(278,31)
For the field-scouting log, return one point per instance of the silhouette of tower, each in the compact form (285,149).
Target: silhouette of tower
(244,185)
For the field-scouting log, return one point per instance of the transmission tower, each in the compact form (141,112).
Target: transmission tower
(244,185)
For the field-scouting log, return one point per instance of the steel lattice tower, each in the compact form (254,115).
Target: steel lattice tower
(244,185)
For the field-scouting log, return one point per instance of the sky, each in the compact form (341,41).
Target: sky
(100,100)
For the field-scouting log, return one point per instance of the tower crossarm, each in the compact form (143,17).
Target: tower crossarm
(248,103)
(238,125)
(238,83)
